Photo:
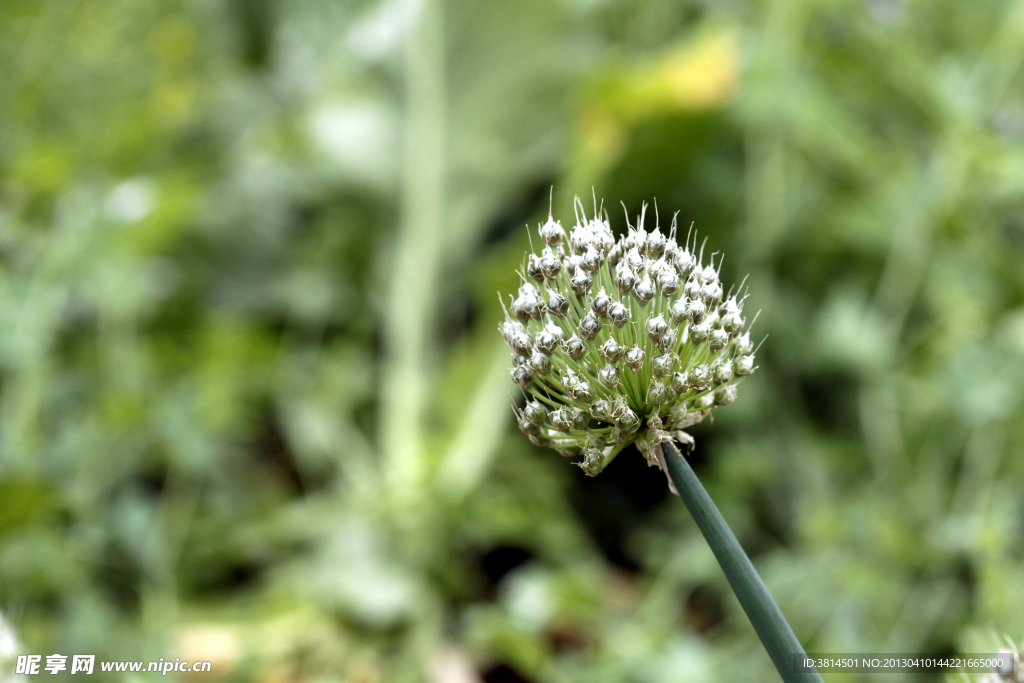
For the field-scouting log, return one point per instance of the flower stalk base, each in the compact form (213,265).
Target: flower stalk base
(765,616)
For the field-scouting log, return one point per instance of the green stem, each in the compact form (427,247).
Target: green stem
(765,616)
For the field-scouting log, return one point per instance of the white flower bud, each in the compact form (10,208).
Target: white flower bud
(580,239)
(699,332)
(635,358)
(612,351)
(680,419)
(725,395)
(580,282)
(722,372)
(628,420)
(729,306)
(635,260)
(557,304)
(522,343)
(591,260)
(668,282)
(743,347)
(560,420)
(615,255)
(620,406)
(592,462)
(552,233)
(680,382)
(697,310)
(693,290)
(618,314)
(601,409)
(732,322)
(601,303)
(540,362)
(533,269)
(657,393)
(659,267)
(609,376)
(574,347)
(717,339)
(625,278)
(589,326)
(657,328)
(679,311)
(743,366)
(546,342)
(509,329)
(712,293)
(528,303)
(527,427)
(644,290)
(705,402)
(685,263)
(518,311)
(662,365)
(549,263)
(671,249)
(521,375)
(700,378)
(668,342)
(655,243)
(579,419)
(636,238)
(582,392)
(534,306)
(535,412)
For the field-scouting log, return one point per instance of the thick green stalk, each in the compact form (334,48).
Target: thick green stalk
(771,627)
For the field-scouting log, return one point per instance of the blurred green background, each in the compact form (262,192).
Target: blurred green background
(254,408)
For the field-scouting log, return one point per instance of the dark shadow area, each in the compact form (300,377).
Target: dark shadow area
(502,673)
(498,562)
(613,504)
(703,609)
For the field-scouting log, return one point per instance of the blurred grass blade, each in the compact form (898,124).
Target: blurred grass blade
(772,628)
(466,461)
(411,305)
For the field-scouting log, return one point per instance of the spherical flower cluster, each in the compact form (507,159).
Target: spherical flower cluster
(621,341)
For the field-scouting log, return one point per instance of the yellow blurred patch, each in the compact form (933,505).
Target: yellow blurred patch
(44,167)
(603,135)
(172,41)
(171,101)
(699,74)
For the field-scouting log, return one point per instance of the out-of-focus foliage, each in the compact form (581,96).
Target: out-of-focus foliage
(254,408)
